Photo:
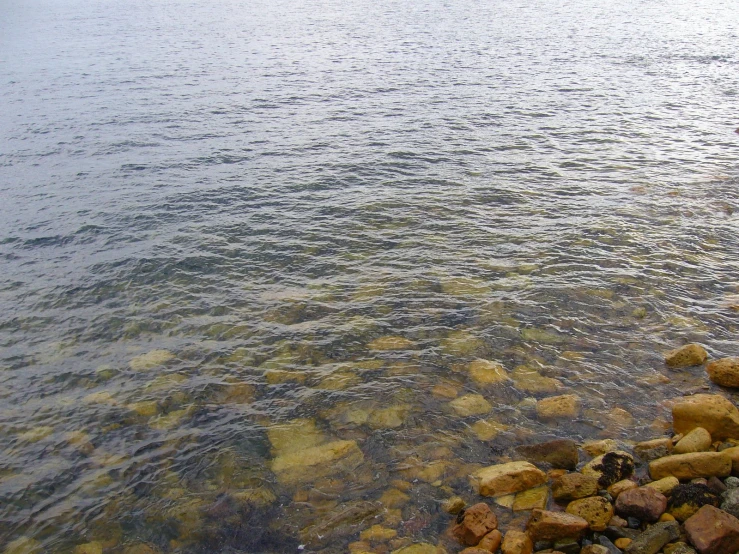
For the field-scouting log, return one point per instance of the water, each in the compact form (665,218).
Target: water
(259,191)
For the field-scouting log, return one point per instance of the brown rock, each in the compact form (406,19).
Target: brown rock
(643,503)
(713,412)
(690,466)
(653,449)
(559,453)
(474,550)
(713,531)
(474,523)
(517,542)
(686,356)
(502,479)
(724,372)
(733,453)
(697,440)
(549,526)
(572,486)
(596,510)
(491,541)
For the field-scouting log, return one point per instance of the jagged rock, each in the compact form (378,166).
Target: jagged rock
(531,499)
(713,531)
(686,356)
(572,486)
(654,538)
(596,510)
(690,466)
(474,523)
(724,372)
(546,525)
(643,503)
(559,453)
(713,412)
(517,542)
(697,440)
(453,505)
(502,479)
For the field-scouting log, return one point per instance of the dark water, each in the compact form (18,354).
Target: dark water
(259,191)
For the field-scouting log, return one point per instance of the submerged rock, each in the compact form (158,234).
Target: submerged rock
(724,372)
(474,523)
(485,372)
(151,360)
(470,404)
(530,380)
(559,453)
(556,407)
(686,356)
(391,343)
(317,461)
(487,429)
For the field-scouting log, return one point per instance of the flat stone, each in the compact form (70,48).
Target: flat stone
(557,407)
(559,453)
(485,372)
(517,542)
(317,461)
(530,380)
(487,429)
(690,466)
(653,449)
(474,523)
(552,526)
(713,531)
(654,538)
(686,356)
(724,372)
(572,486)
(644,503)
(470,404)
(502,479)
(697,440)
(531,499)
(713,412)
(610,467)
(596,510)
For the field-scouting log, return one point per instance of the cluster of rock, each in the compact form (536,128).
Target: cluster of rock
(687,504)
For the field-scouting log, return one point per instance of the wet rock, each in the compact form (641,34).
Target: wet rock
(730,501)
(686,356)
(487,429)
(621,486)
(517,542)
(485,372)
(474,523)
(23,545)
(491,541)
(690,466)
(622,543)
(377,533)
(697,440)
(420,548)
(557,407)
(643,503)
(141,548)
(391,343)
(716,486)
(713,412)
(598,448)
(566,546)
(474,550)
(388,418)
(724,372)
(731,482)
(394,498)
(597,511)
(530,499)
(733,453)
(654,538)
(679,548)
(150,360)
(94,547)
(552,526)
(501,479)
(653,449)
(610,468)
(530,380)
(594,549)
(317,461)
(559,453)
(345,520)
(687,499)
(572,486)
(713,531)
(664,485)
(470,404)
(453,505)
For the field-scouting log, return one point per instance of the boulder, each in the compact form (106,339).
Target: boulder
(559,453)
(474,523)
(713,412)
(654,538)
(596,510)
(724,372)
(610,467)
(643,503)
(551,526)
(502,479)
(516,542)
(686,356)
(690,466)
(558,407)
(687,499)
(713,531)
(572,486)
(653,449)
(697,440)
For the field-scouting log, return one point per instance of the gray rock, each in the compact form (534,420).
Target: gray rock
(654,538)
(679,548)
(567,546)
(731,482)
(730,502)
(612,548)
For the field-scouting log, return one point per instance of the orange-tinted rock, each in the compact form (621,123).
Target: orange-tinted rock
(517,542)
(474,523)
(550,526)
(713,412)
(572,486)
(596,510)
(501,479)
(643,503)
(713,531)
(686,356)
(690,466)
(491,541)
(724,372)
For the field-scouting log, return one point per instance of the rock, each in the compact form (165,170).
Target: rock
(664,485)
(687,499)
(531,499)
(391,343)
(470,404)
(653,449)
(487,429)
(530,380)
(596,510)
(94,547)
(678,548)
(555,407)
(690,466)
(317,461)
(713,412)
(453,505)
(724,372)
(730,502)
(420,548)
(546,525)
(23,545)
(474,550)
(394,498)
(621,486)
(517,542)
(733,453)
(594,549)
(501,479)
(598,448)
(572,486)
(713,531)
(566,546)
(141,548)
(150,360)
(643,503)
(474,523)
(378,533)
(666,517)
(605,541)
(716,486)
(697,440)
(686,356)
(731,482)
(610,467)
(622,543)
(484,372)
(654,538)
(491,541)
(559,453)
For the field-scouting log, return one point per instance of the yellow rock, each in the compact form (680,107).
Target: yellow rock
(391,343)
(453,505)
(713,412)
(724,372)
(502,479)
(166,382)
(555,407)
(94,547)
(505,501)
(686,356)
(150,360)
(36,434)
(445,391)
(102,397)
(697,440)
(147,408)
(666,517)
(170,420)
(420,548)
(378,533)
(393,498)
(485,372)
(598,448)
(690,466)
(238,393)
(260,497)
(596,510)
(530,380)
(294,435)
(622,486)
(465,286)
(487,429)
(470,404)
(317,461)
(388,418)
(622,543)
(280,376)
(462,343)
(530,499)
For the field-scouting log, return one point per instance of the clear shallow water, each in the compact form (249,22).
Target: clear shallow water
(264,189)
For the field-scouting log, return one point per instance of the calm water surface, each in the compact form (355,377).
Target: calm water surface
(254,254)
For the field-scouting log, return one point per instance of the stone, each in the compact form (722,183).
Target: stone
(470,404)
(23,545)
(502,479)
(610,467)
(559,453)
(94,547)
(517,542)
(687,499)
(730,502)
(713,531)
(391,343)
(394,498)
(622,543)
(605,541)
(487,429)
(686,356)
(474,523)
(453,505)
(594,549)
(620,486)
(713,412)
(598,448)
(420,548)
(317,461)
(653,449)
(654,538)
(643,503)
(150,360)
(550,526)
(596,510)
(664,485)
(724,372)
(557,407)
(378,533)
(697,440)
(530,499)
(141,548)
(530,380)
(716,486)
(474,550)
(733,453)
(572,486)
(678,548)
(485,372)
(491,541)
(690,466)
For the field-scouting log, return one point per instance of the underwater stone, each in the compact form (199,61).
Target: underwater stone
(150,360)
(317,461)
(686,356)
(391,343)
(487,429)
(555,407)
(470,404)
(485,372)
(502,479)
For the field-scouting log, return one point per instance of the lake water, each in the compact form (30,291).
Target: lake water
(254,253)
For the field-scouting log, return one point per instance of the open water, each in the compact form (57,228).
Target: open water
(253,254)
